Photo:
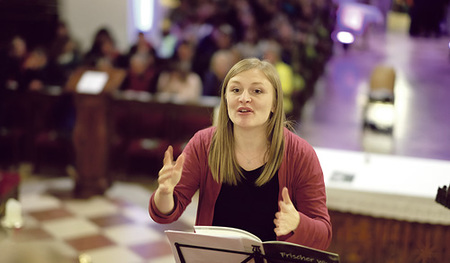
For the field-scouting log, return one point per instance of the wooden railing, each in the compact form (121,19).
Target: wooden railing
(100,135)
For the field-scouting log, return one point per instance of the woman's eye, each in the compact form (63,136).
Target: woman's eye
(235,90)
(258,91)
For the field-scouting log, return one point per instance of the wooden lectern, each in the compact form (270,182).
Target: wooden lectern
(91,131)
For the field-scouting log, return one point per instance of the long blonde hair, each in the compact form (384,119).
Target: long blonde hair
(221,159)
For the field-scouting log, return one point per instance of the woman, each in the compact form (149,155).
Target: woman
(252,172)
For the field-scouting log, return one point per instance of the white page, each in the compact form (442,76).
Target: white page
(92,82)
(198,255)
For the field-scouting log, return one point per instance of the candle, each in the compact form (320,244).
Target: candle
(13,214)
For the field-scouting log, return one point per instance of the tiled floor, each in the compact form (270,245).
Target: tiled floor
(116,227)
(111,228)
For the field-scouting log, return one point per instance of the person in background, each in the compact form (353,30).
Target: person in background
(221,37)
(166,48)
(184,54)
(221,63)
(272,54)
(251,171)
(142,74)
(103,53)
(179,84)
(12,64)
(251,45)
(64,55)
(35,73)
(142,46)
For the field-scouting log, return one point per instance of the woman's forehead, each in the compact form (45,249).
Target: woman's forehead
(253,76)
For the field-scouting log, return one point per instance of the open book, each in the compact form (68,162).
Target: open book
(225,244)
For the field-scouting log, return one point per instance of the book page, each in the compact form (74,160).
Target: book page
(225,231)
(202,248)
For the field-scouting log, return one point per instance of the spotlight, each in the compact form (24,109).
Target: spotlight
(345,37)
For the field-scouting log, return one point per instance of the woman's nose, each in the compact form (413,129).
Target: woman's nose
(245,97)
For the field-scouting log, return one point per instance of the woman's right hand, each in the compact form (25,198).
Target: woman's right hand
(170,174)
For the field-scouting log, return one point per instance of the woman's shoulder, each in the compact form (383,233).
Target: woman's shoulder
(204,136)
(206,132)
(293,141)
(201,141)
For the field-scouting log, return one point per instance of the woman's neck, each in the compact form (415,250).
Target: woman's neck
(250,148)
(250,140)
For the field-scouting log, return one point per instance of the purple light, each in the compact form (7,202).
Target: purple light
(353,18)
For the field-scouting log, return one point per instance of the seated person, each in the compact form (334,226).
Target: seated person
(64,55)
(34,73)
(179,84)
(272,54)
(11,64)
(221,62)
(142,74)
(104,53)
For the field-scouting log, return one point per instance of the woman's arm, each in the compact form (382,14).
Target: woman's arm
(168,178)
(303,176)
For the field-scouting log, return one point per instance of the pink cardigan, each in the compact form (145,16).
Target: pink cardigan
(300,172)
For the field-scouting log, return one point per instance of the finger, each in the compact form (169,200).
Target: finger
(285,196)
(276,222)
(277,215)
(163,177)
(279,232)
(168,156)
(179,163)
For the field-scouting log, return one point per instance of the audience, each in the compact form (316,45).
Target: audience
(199,41)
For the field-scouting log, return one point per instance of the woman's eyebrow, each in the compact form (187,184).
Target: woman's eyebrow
(253,83)
(234,82)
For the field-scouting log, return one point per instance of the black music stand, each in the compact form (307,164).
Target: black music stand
(256,254)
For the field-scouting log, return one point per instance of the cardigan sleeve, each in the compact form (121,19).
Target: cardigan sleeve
(193,170)
(305,182)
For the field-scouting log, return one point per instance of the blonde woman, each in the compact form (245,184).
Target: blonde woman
(252,172)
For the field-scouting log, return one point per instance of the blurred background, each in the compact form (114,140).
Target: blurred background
(367,77)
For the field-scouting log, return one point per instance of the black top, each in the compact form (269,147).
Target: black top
(249,207)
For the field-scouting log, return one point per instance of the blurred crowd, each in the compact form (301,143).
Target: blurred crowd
(200,41)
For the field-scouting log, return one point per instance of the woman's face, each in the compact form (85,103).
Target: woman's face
(250,99)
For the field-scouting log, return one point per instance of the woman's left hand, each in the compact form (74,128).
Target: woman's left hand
(287,218)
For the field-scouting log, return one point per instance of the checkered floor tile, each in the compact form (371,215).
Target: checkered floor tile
(110,228)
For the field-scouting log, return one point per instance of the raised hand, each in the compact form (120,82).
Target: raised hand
(168,178)
(170,173)
(287,218)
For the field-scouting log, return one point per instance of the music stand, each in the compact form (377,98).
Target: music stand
(205,248)
(256,254)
